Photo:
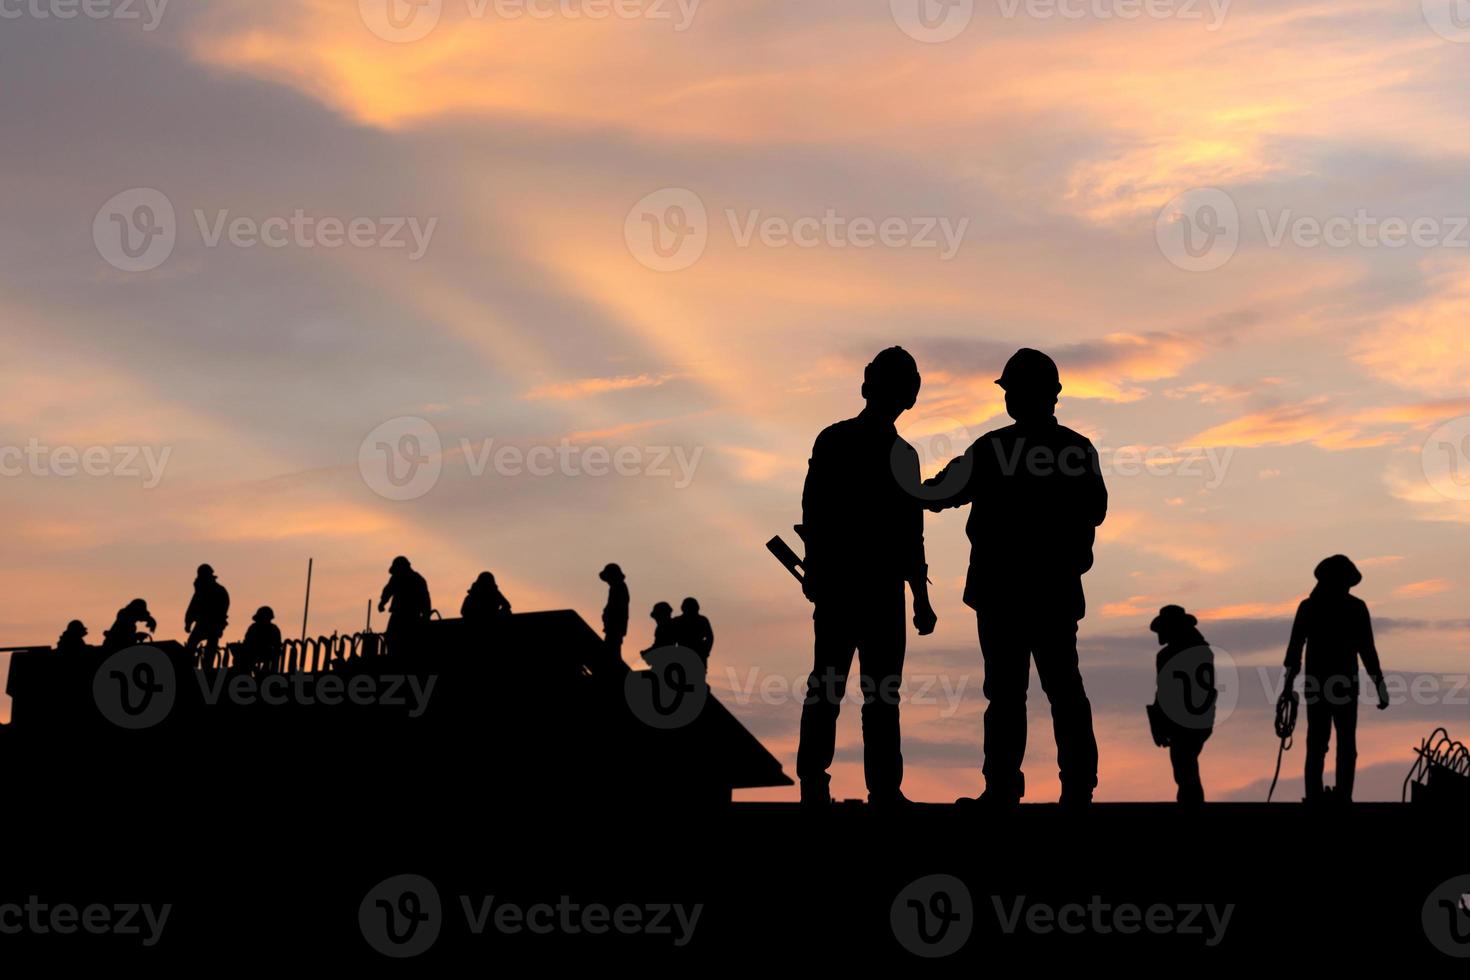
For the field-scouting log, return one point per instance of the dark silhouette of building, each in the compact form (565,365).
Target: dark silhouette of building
(615,613)
(693,629)
(124,632)
(484,606)
(1334,628)
(1182,715)
(207,616)
(1037,497)
(412,607)
(863,527)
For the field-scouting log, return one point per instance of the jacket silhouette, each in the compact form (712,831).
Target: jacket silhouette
(262,646)
(207,616)
(693,630)
(1183,712)
(863,526)
(1036,497)
(124,631)
(1334,629)
(665,630)
(484,605)
(73,639)
(615,613)
(409,594)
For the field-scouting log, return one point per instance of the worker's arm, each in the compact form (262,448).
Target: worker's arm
(916,570)
(1368,650)
(387,594)
(1095,497)
(953,486)
(1296,643)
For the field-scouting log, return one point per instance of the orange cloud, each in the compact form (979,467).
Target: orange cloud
(566,390)
(1421,590)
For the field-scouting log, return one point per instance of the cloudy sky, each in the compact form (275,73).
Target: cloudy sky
(533,285)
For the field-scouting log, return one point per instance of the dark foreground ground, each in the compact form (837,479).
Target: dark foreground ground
(747,888)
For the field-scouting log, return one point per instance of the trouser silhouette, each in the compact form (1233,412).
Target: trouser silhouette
(1184,749)
(873,626)
(204,641)
(1011,636)
(1332,702)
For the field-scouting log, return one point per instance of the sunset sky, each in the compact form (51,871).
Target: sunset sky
(676,233)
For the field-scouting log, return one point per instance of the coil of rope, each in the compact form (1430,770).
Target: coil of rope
(1286,711)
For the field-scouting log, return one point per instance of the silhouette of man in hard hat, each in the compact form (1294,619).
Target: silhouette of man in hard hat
(206,617)
(124,631)
(73,639)
(1335,629)
(485,606)
(1037,497)
(863,525)
(409,593)
(1183,713)
(262,647)
(615,613)
(693,629)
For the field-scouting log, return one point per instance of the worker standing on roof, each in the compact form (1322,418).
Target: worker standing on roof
(863,525)
(409,593)
(206,617)
(615,613)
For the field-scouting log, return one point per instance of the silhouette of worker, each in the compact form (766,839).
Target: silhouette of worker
(1183,713)
(863,527)
(665,632)
(615,613)
(124,632)
(206,617)
(1037,497)
(73,639)
(485,606)
(409,593)
(693,629)
(262,647)
(1334,627)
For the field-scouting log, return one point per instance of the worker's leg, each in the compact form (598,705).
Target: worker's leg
(1007,674)
(1055,650)
(1184,752)
(880,664)
(833,647)
(1319,733)
(1345,718)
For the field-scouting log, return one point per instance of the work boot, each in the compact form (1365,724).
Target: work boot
(1073,798)
(989,800)
(889,801)
(815,797)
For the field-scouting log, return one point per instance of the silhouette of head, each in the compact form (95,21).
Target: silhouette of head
(206,571)
(662,611)
(689,606)
(1031,384)
(611,573)
(400,564)
(1338,573)
(891,382)
(264,614)
(75,629)
(139,606)
(1171,622)
(485,581)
